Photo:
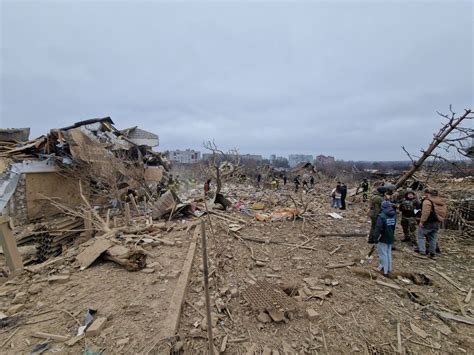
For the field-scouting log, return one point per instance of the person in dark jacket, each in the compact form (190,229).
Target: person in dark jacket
(365,190)
(296,180)
(207,186)
(384,235)
(343,196)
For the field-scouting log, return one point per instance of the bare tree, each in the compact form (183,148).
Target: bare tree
(221,165)
(451,135)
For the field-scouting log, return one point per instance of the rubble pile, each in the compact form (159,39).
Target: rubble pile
(92,162)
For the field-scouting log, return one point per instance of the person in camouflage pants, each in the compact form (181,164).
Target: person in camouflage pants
(409,223)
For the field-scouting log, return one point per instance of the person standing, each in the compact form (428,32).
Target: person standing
(384,235)
(305,184)
(407,208)
(374,210)
(296,180)
(284,180)
(259,178)
(343,196)
(336,196)
(364,186)
(433,213)
(207,186)
(311,181)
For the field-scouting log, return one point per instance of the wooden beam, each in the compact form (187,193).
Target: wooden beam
(88,225)
(177,300)
(10,250)
(127,213)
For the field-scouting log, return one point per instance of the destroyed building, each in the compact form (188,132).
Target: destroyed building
(39,174)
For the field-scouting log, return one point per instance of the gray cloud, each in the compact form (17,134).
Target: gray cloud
(352,79)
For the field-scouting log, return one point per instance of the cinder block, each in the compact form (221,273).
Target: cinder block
(312,314)
(96,327)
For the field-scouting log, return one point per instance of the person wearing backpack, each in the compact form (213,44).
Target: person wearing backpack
(384,236)
(433,213)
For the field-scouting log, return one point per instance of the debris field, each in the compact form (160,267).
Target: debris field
(113,262)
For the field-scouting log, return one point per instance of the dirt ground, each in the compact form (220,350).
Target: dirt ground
(359,315)
(354,309)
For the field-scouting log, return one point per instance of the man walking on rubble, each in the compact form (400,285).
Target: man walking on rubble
(408,208)
(433,213)
(311,181)
(384,236)
(296,180)
(365,190)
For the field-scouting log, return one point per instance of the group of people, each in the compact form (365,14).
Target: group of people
(338,196)
(306,179)
(427,214)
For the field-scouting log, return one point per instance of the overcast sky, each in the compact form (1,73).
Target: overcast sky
(351,79)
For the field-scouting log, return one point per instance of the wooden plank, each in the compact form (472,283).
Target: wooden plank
(10,250)
(177,300)
(88,225)
(92,252)
(395,287)
(224,343)
(468,296)
(449,316)
(399,339)
(127,213)
(335,250)
(49,336)
(447,278)
(337,266)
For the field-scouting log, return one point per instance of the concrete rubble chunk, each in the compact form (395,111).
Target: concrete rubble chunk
(35,289)
(264,318)
(20,297)
(312,314)
(59,279)
(148,270)
(276,315)
(96,327)
(124,341)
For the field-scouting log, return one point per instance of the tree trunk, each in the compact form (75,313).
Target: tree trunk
(438,138)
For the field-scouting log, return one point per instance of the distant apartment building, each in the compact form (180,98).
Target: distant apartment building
(243,157)
(324,160)
(255,157)
(278,162)
(188,156)
(295,159)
